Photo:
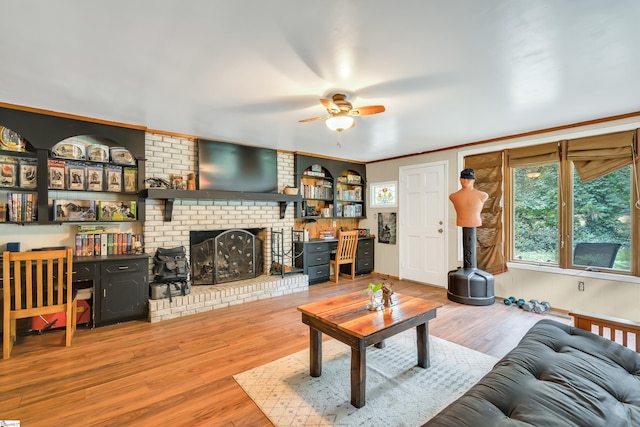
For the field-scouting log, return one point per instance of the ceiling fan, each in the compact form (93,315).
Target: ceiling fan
(341,112)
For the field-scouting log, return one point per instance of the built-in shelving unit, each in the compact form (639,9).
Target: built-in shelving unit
(42,132)
(330,188)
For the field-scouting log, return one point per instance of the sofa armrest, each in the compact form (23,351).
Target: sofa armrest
(622,331)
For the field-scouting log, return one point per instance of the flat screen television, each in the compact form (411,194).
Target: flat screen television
(233,167)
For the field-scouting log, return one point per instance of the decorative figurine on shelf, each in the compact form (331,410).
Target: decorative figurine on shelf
(387,301)
(191,181)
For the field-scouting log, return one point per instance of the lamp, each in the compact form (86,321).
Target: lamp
(340,123)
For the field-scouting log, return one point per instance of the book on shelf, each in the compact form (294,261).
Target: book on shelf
(22,207)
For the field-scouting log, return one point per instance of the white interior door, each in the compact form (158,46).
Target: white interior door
(422,223)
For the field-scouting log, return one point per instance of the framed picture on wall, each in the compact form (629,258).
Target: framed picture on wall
(387,228)
(383,194)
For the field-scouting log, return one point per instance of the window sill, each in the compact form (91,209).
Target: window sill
(569,272)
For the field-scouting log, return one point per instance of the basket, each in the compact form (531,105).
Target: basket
(291,191)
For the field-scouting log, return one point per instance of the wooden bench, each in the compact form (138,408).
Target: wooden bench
(622,331)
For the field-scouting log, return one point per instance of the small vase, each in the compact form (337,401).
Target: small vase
(375,301)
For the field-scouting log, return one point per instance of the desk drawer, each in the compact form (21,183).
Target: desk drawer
(319,272)
(317,258)
(364,265)
(316,247)
(84,271)
(124,266)
(365,252)
(365,243)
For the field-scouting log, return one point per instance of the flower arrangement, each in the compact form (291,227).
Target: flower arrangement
(372,288)
(378,299)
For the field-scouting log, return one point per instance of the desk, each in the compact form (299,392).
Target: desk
(347,319)
(120,286)
(315,255)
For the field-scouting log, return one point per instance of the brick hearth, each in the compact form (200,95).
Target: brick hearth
(210,297)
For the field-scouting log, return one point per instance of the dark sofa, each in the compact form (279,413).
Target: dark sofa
(558,375)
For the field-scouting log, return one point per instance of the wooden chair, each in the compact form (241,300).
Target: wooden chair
(345,253)
(35,284)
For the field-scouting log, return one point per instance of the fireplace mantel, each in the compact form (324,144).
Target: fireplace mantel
(169,197)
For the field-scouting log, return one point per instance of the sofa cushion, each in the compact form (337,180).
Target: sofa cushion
(557,375)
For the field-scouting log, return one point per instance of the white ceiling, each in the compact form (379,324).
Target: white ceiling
(449,72)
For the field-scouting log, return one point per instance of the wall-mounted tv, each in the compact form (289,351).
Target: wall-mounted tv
(233,167)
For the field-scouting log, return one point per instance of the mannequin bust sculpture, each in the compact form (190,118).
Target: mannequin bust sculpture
(468,201)
(469,285)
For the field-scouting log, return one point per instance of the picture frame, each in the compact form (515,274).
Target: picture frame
(383,194)
(387,227)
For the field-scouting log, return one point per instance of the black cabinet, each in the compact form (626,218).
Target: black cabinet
(314,260)
(316,255)
(364,257)
(123,290)
(120,286)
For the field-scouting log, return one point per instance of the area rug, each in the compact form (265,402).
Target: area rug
(398,393)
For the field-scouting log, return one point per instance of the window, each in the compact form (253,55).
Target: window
(383,194)
(572,203)
(535,218)
(602,219)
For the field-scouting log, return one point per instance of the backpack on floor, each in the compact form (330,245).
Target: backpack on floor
(170,265)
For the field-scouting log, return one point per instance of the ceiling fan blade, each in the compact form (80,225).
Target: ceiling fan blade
(313,119)
(330,105)
(365,111)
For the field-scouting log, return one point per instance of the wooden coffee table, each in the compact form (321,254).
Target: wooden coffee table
(347,319)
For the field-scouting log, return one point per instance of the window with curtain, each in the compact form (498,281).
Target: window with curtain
(572,203)
(489,249)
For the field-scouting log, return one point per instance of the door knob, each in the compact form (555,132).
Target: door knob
(440,230)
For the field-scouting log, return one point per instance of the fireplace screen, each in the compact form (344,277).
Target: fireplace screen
(231,255)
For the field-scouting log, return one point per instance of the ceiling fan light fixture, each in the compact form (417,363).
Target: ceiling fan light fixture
(340,123)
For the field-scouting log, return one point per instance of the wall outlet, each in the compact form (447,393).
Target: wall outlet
(334,224)
(581,286)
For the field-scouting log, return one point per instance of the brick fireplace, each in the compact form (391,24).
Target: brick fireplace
(168,155)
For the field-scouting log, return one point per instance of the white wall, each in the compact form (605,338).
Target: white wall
(612,295)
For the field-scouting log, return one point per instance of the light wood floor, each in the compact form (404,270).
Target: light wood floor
(179,372)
